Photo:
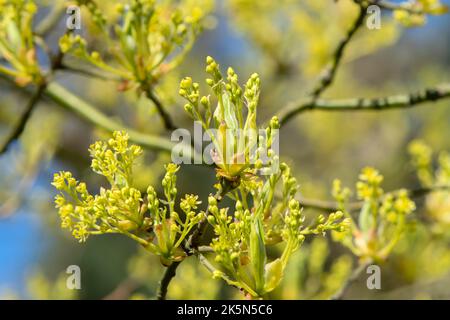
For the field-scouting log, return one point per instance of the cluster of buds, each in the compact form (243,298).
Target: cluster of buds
(414,13)
(153,38)
(437,202)
(124,209)
(260,217)
(114,210)
(369,185)
(239,148)
(242,238)
(381,220)
(114,159)
(17,43)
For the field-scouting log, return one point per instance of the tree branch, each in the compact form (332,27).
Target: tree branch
(150,94)
(194,240)
(330,206)
(20,126)
(89,73)
(353,277)
(169,274)
(324,205)
(67,100)
(330,72)
(432,94)
(167,120)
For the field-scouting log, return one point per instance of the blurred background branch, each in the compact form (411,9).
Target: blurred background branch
(432,94)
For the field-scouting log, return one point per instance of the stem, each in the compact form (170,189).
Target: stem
(324,205)
(89,73)
(139,240)
(194,239)
(167,120)
(69,101)
(432,94)
(353,277)
(329,74)
(66,99)
(191,247)
(20,126)
(238,285)
(169,274)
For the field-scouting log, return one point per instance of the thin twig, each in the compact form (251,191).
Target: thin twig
(330,206)
(431,94)
(20,126)
(56,61)
(190,247)
(89,73)
(66,99)
(330,72)
(321,205)
(169,274)
(353,277)
(167,120)
(420,192)
(205,262)
(205,249)
(194,240)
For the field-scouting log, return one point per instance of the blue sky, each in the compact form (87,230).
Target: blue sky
(21,244)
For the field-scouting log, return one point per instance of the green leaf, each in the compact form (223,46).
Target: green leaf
(258,252)
(14,36)
(365,217)
(273,275)
(230,112)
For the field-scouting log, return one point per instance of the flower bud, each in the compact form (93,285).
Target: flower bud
(211,219)
(212,201)
(186,83)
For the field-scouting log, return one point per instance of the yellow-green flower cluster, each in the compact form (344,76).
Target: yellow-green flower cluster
(438,202)
(396,206)
(369,185)
(239,148)
(17,41)
(443,173)
(169,228)
(114,159)
(232,233)
(241,239)
(422,160)
(124,209)
(414,13)
(381,220)
(152,38)
(117,209)
(340,194)
(421,155)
